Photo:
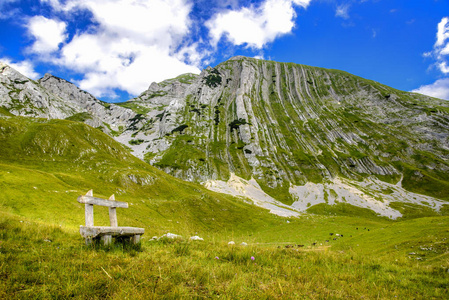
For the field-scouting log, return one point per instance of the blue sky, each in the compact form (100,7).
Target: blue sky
(115,48)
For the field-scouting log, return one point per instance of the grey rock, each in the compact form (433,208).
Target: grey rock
(22,96)
(100,112)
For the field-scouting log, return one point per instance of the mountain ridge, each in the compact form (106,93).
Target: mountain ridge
(291,128)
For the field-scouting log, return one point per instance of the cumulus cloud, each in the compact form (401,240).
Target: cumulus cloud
(128,45)
(24,67)
(48,34)
(441,47)
(440,52)
(443,32)
(124,64)
(439,89)
(255,26)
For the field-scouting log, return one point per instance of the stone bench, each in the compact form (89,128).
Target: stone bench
(105,233)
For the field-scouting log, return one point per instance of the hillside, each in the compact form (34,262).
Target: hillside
(55,98)
(341,248)
(305,135)
(47,164)
(291,138)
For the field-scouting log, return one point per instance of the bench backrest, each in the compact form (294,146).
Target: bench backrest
(89,200)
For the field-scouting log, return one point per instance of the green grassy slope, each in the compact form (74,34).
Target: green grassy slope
(407,260)
(46,165)
(284,123)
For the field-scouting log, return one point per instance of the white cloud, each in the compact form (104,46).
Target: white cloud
(48,34)
(124,64)
(255,26)
(132,44)
(438,89)
(7,12)
(443,32)
(445,50)
(24,67)
(440,53)
(342,11)
(443,67)
(441,47)
(194,55)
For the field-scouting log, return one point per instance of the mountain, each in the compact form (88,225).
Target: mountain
(25,97)
(300,134)
(46,164)
(54,98)
(109,117)
(289,137)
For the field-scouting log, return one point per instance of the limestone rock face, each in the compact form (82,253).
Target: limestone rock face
(287,136)
(287,124)
(100,112)
(24,97)
(55,98)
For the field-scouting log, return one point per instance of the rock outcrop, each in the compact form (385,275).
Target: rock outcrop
(288,136)
(22,96)
(286,124)
(109,116)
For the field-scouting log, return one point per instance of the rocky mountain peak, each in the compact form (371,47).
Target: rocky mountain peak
(239,57)
(276,131)
(3,66)
(48,76)
(154,87)
(9,74)
(108,116)
(25,97)
(285,125)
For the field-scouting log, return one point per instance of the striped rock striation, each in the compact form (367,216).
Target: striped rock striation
(283,135)
(287,125)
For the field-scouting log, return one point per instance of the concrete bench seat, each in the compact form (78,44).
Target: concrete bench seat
(90,232)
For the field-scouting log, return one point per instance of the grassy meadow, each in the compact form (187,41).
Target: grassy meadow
(46,165)
(404,260)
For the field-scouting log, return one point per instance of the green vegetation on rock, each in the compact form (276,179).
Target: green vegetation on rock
(46,164)
(307,124)
(80,117)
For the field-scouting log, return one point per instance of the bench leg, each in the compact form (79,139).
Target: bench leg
(135,239)
(106,239)
(88,241)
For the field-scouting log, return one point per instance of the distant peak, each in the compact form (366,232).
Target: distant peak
(154,87)
(238,57)
(3,66)
(48,76)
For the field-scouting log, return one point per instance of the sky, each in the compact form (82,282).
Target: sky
(115,49)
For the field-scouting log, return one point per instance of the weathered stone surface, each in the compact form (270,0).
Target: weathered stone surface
(94,231)
(275,125)
(293,124)
(100,112)
(22,96)
(289,111)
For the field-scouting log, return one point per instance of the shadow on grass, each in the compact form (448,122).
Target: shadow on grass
(119,244)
